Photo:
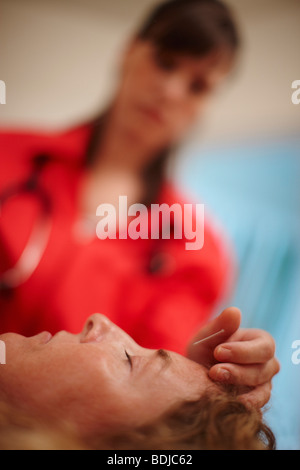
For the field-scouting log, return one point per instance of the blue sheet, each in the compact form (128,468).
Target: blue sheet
(253,189)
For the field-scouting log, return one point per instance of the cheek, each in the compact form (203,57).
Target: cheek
(93,390)
(142,81)
(193,109)
(188,114)
(182,122)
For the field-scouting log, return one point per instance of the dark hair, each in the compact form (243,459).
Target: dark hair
(191,27)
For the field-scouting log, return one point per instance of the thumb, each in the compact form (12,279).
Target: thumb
(229,321)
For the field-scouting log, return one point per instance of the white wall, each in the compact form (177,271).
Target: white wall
(59,59)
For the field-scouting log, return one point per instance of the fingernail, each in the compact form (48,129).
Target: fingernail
(223,375)
(223,353)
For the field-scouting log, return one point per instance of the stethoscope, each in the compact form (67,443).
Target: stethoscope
(39,238)
(40,234)
(35,248)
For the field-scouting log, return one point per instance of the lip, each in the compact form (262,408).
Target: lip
(44,337)
(153,114)
(97,338)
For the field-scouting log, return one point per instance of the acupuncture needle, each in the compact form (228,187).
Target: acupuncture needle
(209,337)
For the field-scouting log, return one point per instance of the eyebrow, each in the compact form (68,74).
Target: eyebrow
(165,356)
(161,355)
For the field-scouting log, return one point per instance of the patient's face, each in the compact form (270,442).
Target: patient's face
(99,379)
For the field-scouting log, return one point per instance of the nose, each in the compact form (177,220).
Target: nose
(96,328)
(174,88)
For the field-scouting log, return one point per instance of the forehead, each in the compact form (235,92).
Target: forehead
(215,64)
(189,378)
(189,370)
(194,381)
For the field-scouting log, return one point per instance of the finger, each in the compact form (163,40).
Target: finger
(229,321)
(249,334)
(249,375)
(258,397)
(258,350)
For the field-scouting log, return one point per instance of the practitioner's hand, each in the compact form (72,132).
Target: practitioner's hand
(242,357)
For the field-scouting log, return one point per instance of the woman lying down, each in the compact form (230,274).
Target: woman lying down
(100,390)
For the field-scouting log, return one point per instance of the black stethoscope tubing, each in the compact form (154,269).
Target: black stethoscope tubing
(39,237)
(36,246)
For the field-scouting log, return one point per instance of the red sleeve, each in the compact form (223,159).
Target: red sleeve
(18,147)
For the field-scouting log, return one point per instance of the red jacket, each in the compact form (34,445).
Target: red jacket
(77,278)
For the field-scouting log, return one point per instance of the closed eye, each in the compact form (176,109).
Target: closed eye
(129,358)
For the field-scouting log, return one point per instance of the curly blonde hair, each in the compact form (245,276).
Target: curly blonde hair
(214,422)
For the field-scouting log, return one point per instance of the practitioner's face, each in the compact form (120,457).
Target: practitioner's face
(162,94)
(90,380)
